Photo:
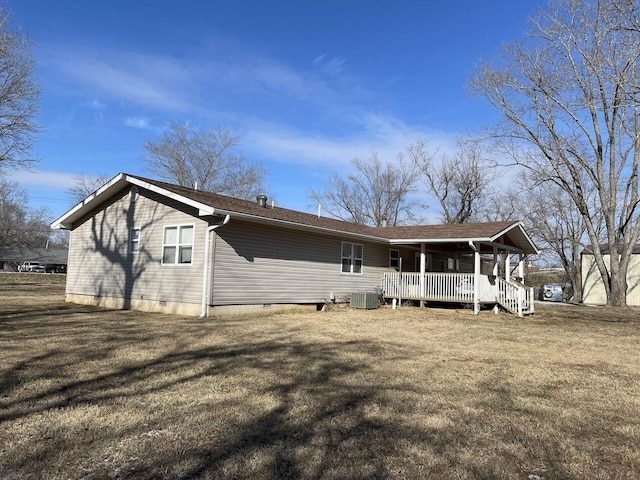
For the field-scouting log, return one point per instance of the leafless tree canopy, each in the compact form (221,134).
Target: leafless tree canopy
(204,159)
(20,226)
(85,185)
(372,193)
(18,96)
(569,98)
(556,225)
(459,182)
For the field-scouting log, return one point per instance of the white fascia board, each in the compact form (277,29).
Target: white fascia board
(506,230)
(406,241)
(529,239)
(66,220)
(519,226)
(203,209)
(59,223)
(301,226)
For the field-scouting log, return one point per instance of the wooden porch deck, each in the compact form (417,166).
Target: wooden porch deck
(459,288)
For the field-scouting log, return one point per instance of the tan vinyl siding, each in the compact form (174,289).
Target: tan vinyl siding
(593,289)
(256,264)
(100,263)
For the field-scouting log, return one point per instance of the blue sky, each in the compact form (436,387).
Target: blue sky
(307,86)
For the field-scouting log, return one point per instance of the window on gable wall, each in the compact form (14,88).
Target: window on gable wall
(134,240)
(352,254)
(177,245)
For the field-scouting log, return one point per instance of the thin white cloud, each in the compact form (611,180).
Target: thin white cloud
(385,135)
(137,122)
(156,81)
(330,66)
(60,181)
(95,104)
(182,84)
(257,95)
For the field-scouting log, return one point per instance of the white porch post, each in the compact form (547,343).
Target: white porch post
(476,279)
(521,267)
(495,274)
(507,266)
(423,268)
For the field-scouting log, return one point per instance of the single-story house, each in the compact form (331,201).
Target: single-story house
(593,292)
(10,258)
(148,245)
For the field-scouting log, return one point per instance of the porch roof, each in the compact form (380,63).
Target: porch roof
(506,233)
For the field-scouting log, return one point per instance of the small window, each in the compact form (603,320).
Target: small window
(453,264)
(177,245)
(394,259)
(134,240)
(352,258)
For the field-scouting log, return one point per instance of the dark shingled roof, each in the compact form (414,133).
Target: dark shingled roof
(445,231)
(212,203)
(226,204)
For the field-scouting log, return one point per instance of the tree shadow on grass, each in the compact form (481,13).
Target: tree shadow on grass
(242,404)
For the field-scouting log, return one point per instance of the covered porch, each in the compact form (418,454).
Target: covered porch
(478,269)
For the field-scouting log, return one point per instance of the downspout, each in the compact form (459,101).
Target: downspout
(476,278)
(205,275)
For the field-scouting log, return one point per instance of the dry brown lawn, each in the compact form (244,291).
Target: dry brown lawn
(409,393)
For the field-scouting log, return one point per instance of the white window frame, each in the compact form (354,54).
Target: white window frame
(352,259)
(177,245)
(134,241)
(395,260)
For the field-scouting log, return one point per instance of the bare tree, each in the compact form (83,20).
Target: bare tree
(558,228)
(569,99)
(559,232)
(85,185)
(18,96)
(372,194)
(20,226)
(460,182)
(204,159)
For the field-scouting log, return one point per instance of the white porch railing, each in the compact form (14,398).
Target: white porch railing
(457,287)
(514,297)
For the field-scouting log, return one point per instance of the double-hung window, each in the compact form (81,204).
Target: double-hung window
(177,245)
(134,240)
(352,258)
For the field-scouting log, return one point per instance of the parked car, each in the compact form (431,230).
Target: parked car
(31,267)
(551,292)
(55,268)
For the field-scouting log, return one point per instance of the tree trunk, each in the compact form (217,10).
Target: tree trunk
(618,296)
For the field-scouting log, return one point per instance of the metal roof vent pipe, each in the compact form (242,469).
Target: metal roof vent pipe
(384,222)
(262,200)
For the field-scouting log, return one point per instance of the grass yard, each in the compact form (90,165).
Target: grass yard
(87,393)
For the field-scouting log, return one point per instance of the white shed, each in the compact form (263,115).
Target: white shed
(593,292)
